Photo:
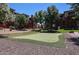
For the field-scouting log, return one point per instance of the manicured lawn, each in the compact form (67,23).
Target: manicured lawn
(44,37)
(64,31)
(50,39)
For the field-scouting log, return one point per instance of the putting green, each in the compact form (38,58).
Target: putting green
(44,37)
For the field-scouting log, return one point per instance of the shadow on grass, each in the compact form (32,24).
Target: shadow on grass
(46,31)
(58,44)
(2,36)
(50,32)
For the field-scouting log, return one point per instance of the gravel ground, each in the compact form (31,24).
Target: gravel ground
(8,47)
(7,31)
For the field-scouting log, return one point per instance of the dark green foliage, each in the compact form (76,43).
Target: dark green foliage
(75,8)
(40,16)
(2,15)
(52,17)
(20,21)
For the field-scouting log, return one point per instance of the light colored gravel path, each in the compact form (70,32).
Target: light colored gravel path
(7,31)
(8,47)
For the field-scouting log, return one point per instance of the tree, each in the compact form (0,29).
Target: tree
(12,10)
(6,13)
(20,21)
(75,8)
(32,22)
(40,17)
(52,15)
(2,15)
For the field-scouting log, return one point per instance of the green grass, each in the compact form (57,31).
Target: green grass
(64,31)
(45,37)
(49,39)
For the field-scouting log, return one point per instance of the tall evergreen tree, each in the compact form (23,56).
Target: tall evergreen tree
(51,17)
